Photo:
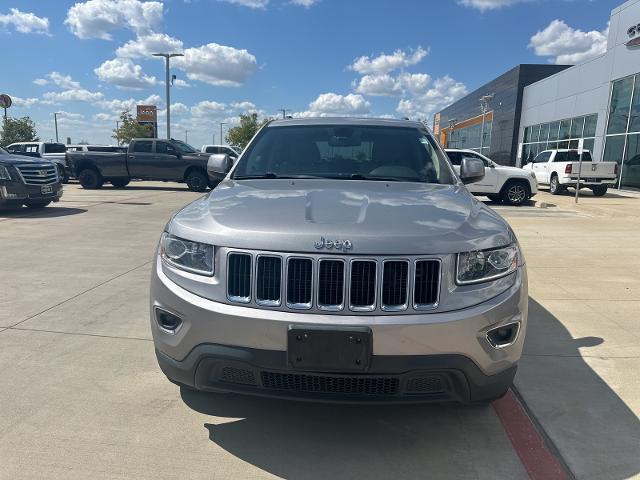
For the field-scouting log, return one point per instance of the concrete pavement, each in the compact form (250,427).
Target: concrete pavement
(83,397)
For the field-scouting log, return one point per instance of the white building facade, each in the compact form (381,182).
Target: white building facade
(597,101)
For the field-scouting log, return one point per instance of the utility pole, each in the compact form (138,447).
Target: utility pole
(117,133)
(186,136)
(221,124)
(167,56)
(284,112)
(55,120)
(213,139)
(484,106)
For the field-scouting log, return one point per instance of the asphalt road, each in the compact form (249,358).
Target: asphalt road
(83,397)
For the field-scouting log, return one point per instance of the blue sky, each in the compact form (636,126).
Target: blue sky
(398,58)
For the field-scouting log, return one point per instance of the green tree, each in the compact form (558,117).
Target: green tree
(244,132)
(130,128)
(18,130)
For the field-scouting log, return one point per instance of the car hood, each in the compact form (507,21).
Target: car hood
(378,218)
(10,159)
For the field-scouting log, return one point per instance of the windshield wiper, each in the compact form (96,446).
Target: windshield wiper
(377,178)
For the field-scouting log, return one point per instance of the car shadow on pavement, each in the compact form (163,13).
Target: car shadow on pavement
(177,188)
(597,434)
(46,212)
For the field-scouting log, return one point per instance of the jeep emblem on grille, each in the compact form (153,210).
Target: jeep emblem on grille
(344,245)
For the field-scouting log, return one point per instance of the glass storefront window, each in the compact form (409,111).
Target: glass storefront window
(573,144)
(614,149)
(630,177)
(553,130)
(590,126)
(634,123)
(564,129)
(544,132)
(620,103)
(552,146)
(589,143)
(576,127)
(563,145)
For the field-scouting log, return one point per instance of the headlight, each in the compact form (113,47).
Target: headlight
(485,265)
(4,173)
(187,255)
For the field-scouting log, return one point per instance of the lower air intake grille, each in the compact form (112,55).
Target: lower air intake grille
(237,375)
(239,277)
(394,285)
(330,384)
(299,271)
(427,280)
(430,384)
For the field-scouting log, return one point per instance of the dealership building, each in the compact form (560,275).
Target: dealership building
(594,105)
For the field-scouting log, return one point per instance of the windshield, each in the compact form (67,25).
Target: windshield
(184,147)
(3,151)
(345,152)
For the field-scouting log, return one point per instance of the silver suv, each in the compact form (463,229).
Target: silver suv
(341,259)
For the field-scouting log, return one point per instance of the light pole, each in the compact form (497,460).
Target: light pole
(484,105)
(167,56)
(186,136)
(284,112)
(221,124)
(55,120)
(117,133)
(452,125)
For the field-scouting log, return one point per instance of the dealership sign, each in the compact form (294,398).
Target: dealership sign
(146,113)
(634,36)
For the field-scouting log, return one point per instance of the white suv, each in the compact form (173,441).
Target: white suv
(500,183)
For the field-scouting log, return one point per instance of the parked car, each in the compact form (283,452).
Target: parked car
(145,159)
(341,259)
(47,150)
(500,183)
(224,149)
(34,182)
(94,148)
(559,169)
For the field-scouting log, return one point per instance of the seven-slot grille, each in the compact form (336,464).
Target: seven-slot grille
(38,174)
(360,285)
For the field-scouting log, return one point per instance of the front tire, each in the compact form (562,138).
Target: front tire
(90,179)
(197,181)
(554,185)
(120,182)
(35,205)
(599,190)
(515,193)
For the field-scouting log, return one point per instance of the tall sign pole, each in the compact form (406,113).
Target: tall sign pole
(167,57)
(5,102)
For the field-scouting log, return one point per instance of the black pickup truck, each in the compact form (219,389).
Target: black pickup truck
(145,159)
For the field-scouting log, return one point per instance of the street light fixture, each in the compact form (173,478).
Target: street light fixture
(221,124)
(166,57)
(55,120)
(484,105)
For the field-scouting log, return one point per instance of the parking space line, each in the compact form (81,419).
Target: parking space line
(536,454)
(80,334)
(81,293)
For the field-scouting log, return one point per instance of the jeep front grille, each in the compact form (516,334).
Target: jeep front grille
(319,283)
(38,174)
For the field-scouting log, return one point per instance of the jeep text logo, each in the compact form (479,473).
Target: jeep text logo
(344,245)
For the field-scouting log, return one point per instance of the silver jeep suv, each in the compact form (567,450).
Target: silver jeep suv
(341,259)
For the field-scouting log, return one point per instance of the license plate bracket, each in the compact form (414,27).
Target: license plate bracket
(46,189)
(329,349)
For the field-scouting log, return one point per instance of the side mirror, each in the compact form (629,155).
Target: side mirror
(471,170)
(219,164)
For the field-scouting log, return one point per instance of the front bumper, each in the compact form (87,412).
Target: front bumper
(18,193)
(416,357)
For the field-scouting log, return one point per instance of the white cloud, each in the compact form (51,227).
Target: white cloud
(63,81)
(24,102)
(73,95)
(249,3)
(387,85)
(70,115)
(217,64)
(385,63)
(244,105)
(483,5)
(146,45)
(568,45)
(335,104)
(443,92)
(178,82)
(105,117)
(25,22)
(98,18)
(117,105)
(208,108)
(41,81)
(123,73)
(305,3)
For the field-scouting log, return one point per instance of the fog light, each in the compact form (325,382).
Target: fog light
(167,321)
(504,335)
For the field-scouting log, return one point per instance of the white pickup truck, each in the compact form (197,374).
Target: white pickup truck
(560,168)
(500,183)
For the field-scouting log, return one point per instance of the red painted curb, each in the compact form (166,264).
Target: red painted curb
(534,454)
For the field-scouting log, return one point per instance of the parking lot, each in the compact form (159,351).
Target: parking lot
(83,396)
